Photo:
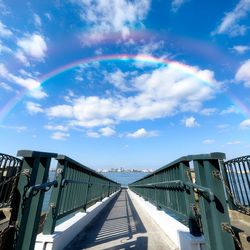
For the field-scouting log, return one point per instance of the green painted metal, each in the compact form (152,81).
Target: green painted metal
(34,172)
(173,189)
(77,187)
(236,175)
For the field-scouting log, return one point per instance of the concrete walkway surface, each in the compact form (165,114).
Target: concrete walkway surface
(122,225)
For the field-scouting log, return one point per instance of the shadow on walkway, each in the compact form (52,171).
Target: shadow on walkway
(115,226)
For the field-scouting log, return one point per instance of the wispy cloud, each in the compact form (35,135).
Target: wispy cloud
(57,127)
(233,142)
(230,110)
(208,141)
(243,73)
(208,111)
(176,4)
(33,85)
(241,49)
(6,86)
(111,16)
(60,136)
(93,134)
(230,23)
(142,133)
(107,131)
(4,31)
(245,124)
(37,20)
(190,122)
(16,128)
(34,108)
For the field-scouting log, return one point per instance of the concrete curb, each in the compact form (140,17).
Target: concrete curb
(67,231)
(175,230)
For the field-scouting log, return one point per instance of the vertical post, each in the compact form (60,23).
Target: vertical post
(214,212)
(55,198)
(189,200)
(34,171)
(225,178)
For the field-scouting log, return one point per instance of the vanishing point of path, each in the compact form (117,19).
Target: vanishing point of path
(122,225)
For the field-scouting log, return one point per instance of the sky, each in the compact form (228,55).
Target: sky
(122,83)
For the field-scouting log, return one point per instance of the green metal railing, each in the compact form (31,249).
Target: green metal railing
(74,187)
(237,178)
(77,187)
(9,170)
(198,202)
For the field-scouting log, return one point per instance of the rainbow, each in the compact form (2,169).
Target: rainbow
(119,57)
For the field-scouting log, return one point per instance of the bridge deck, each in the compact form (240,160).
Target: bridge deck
(122,225)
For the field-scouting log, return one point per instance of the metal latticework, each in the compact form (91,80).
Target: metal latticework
(10,167)
(238,176)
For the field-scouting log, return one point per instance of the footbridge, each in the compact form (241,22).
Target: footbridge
(194,202)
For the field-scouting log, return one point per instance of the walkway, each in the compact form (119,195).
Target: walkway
(120,227)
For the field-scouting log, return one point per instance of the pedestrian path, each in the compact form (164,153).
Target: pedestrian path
(122,225)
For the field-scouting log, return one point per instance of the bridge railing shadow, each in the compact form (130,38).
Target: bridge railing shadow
(119,220)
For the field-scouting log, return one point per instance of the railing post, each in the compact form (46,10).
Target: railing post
(225,178)
(189,199)
(214,212)
(50,222)
(34,171)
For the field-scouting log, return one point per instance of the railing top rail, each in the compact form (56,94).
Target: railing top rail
(211,156)
(30,153)
(9,157)
(242,158)
(68,159)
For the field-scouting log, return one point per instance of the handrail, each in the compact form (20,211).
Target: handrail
(78,186)
(237,178)
(173,188)
(75,186)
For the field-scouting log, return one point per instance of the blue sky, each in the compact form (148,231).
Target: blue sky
(125,113)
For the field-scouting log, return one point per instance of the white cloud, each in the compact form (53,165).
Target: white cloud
(190,122)
(230,110)
(163,92)
(111,16)
(60,136)
(33,45)
(245,124)
(16,128)
(142,133)
(222,126)
(243,73)
(48,15)
(118,79)
(150,48)
(107,131)
(34,108)
(229,24)
(3,48)
(93,134)
(20,55)
(208,141)
(6,86)
(58,127)
(25,73)
(208,111)
(176,4)
(60,111)
(37,20)
(29,83)
(241,49)
(233,143)
(4,32)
